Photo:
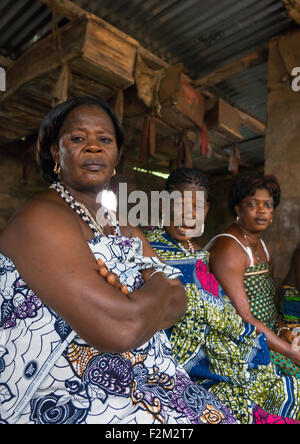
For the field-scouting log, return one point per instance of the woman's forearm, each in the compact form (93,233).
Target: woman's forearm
(158,304)
(275,343)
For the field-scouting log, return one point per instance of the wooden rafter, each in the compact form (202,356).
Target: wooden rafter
(65,8)
(252,123)
(242,64)
(293,7)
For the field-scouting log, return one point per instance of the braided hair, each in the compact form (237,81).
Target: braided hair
(191,176)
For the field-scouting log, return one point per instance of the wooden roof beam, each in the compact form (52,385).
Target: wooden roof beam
(65,8)
(293,7)
(252,123)
(68,9)
(225,72)
(246,119)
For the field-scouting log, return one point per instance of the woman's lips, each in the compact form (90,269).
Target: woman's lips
(184,229)
(261,221)
(93,165)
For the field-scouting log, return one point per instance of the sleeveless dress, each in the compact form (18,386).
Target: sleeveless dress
(218,349)
(49,375)
(260,289)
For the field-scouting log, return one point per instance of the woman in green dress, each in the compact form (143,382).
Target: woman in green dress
(242,263)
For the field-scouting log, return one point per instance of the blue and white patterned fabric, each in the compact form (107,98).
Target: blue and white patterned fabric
(50,375)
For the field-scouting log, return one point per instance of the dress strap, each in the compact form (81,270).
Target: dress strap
(266,250)
(246,249)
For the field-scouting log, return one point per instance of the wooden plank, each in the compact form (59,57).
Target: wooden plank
(182,105)
(68,9)
(100,62)
(219,75)
(224,119)
(246,119)
(252,123)
(106,57)
(293,7)
(112,56)
(43,57)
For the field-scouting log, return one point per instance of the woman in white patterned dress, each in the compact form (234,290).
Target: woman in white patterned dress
(77,346)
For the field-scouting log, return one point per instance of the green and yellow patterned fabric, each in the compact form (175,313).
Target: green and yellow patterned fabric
(217,348)
(260,289)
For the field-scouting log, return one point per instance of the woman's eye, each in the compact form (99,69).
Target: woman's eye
(105,140)
(77,139)
(269,204)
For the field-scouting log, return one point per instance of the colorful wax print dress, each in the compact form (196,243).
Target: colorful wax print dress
(260,290)
(290,305)
(49,375)
(221,351)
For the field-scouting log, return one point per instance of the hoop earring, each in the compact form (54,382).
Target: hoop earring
(56,168)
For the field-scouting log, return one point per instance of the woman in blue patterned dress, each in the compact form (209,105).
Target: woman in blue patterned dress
(77,346)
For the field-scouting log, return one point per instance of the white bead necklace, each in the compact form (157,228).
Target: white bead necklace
(190,249)
(82,210)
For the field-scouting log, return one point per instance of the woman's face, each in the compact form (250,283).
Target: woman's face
(256,212)
(87,150)
(188,213)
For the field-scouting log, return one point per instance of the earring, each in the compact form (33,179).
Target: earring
(56,168)
(237,219)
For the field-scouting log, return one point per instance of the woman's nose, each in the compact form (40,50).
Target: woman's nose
(261,208)
(93,146)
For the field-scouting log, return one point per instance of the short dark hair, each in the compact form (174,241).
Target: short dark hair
(191,176)
(52,123)
(247,184)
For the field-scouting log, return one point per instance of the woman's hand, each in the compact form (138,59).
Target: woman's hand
(287,335)
(111,278)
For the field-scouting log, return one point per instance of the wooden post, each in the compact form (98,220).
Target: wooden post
(282,149)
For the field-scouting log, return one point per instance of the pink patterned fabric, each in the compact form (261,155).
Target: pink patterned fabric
(208,281)
(260,416)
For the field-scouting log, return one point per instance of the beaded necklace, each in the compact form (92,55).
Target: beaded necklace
(254,249)
(190,250)
(83,212)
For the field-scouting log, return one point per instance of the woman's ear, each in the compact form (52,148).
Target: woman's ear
(54,153)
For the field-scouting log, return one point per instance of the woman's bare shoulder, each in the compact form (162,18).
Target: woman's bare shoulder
(227,252)
(42,214)
(228,240)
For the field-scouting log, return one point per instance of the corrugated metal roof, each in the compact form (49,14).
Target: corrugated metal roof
(201,34)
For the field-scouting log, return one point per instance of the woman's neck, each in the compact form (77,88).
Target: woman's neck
(89,198)
(252,237)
